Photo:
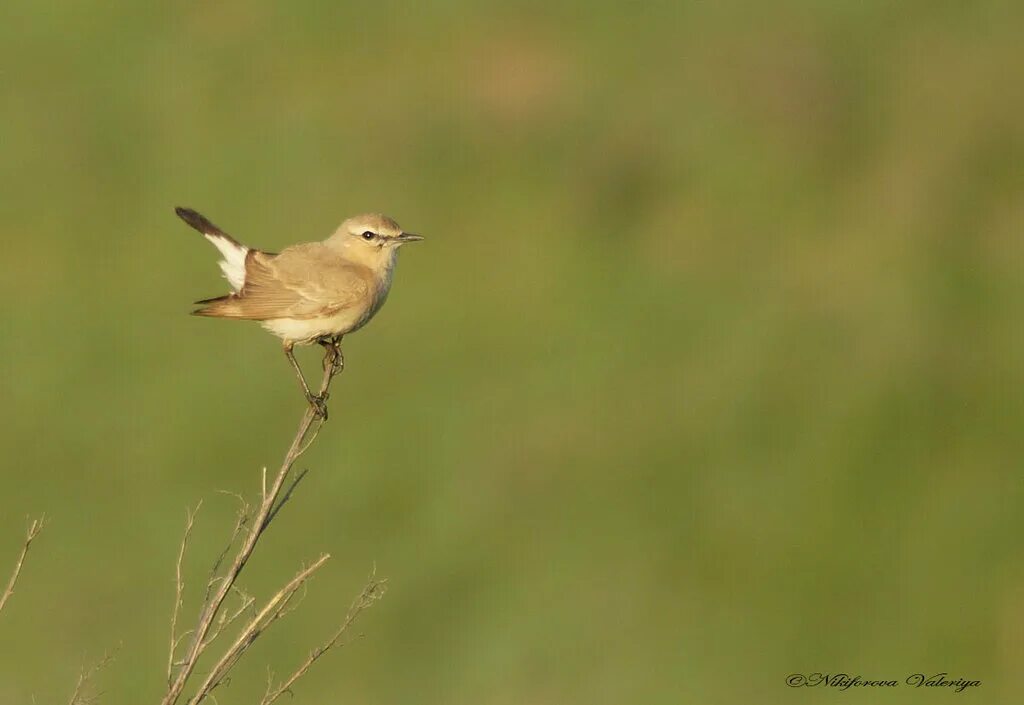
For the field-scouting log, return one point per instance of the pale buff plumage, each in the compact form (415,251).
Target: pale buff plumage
(307,293)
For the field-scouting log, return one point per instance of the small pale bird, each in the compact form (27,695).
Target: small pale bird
(314,292)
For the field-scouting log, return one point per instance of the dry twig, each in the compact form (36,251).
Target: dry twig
(33,530)
(81,695)
(373,591)
(221,584)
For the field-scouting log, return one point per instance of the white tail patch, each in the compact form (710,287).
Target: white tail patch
(233,264)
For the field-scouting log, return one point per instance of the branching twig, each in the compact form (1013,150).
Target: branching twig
(271,612)
(85,676)
(236,531)
(287,495)
(219,587)
(227,619)
(373,591)
(33,530)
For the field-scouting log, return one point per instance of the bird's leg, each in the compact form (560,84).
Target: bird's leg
(319,404)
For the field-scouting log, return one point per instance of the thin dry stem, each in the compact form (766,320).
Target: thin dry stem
(220,587)
(179,588)
(373,591)
(33,530)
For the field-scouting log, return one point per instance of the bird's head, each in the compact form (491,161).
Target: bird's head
(373,231)
(371,239)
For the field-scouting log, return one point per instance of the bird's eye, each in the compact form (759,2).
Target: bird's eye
(368,235)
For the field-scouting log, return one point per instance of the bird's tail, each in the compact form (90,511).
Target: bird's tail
(199,222)
(232,251)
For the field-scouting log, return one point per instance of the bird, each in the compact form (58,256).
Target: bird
(309,293)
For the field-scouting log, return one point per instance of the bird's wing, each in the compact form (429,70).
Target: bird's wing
(303,281)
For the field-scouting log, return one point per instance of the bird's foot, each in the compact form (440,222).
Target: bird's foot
(333,359)
(318,403)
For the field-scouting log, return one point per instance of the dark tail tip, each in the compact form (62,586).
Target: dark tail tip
(197,221)
(214,300)
(214,307)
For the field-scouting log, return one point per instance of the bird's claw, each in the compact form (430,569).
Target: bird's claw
(318,403)
(333,359)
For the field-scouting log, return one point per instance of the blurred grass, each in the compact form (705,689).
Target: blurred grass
(708,372)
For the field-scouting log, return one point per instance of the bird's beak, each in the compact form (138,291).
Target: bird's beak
(407,237)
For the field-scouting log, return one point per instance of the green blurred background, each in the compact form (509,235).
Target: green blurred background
(709,371)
